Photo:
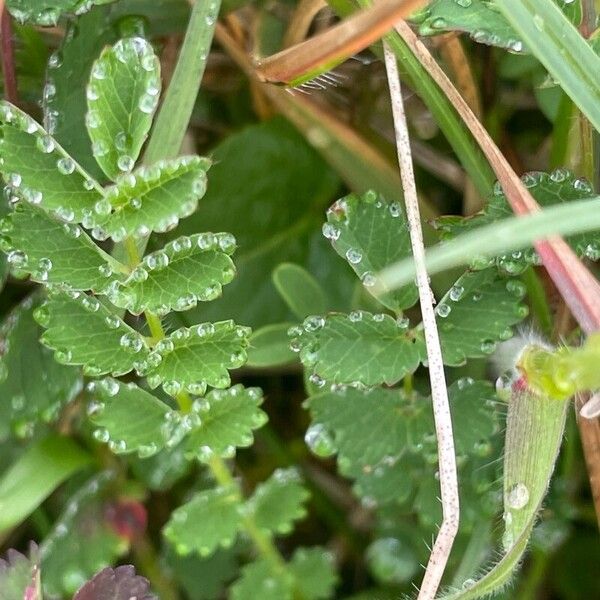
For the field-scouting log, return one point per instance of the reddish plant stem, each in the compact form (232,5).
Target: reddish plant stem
(8,56)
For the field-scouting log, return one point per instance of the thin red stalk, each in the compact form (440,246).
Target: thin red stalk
(8,56)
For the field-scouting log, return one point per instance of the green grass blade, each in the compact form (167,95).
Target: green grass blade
(176,110)
(509,234)
(557,44)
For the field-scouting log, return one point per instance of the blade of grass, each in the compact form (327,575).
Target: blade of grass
(176,109)
(558,45)
(509,234)
(439,393)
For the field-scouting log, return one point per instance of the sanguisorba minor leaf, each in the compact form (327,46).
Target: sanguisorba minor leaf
(185,271)
(122,96)
(33,386)
(128,418)
(478,312)
(154,198)
(82,331)
(371,234)
(360,347)
(48,12)
(40,171)
(278,502)
(549,189)
(193,357)
(54,252)
(210,519)
(227,421)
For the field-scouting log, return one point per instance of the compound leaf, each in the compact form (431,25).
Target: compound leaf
(48,12)
(270,346)
(278,502)
(364,347)
(211,519)
(195,357)
(185,271)
(33,386)
(82,331)
(83,538)
(371,234)
(477,312)
(122,96)
(154,198)
(38,170)
(53,252)
(120,583)
(560,186)
(300,290)
(227,420)
(481,20)
(128,418)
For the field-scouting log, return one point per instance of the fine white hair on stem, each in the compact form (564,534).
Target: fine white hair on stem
(439,393)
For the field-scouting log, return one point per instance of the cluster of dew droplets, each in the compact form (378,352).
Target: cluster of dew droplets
(433,24)
(137,53)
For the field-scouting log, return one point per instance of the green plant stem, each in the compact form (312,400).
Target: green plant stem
(176,109)
(145,556)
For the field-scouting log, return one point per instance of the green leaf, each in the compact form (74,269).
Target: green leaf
(19,576)
(359,347)
(33,386)
(40,171)
(192,358)
(83,539)
(314,572)
(82,331)
(128,418)
(270,346)
(476,313)
(299,290)
(67,75)
(559,187)
(481,20)
(122,96)
(227,420)
(211,519)
(310,572)
(154,198)
(54,252)
(559,46)
(371,234)
(185,271)
(259,580)
(278,502)
(48,12)
(35,475)
(163,470)
(385,439)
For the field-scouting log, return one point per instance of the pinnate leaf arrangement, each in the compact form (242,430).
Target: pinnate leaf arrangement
(119,349)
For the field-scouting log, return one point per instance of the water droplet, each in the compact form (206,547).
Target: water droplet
(90,304)
(320,440)
(518,496)
(18,259)
(125,163)
(102,435)
(330,231)
(148,103)
(131,342)
(443,310)
(516,288)
(355,316)
(353,256)
(368,279)
(456,292)
(488,346)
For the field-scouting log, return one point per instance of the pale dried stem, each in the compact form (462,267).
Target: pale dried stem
(441,408)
